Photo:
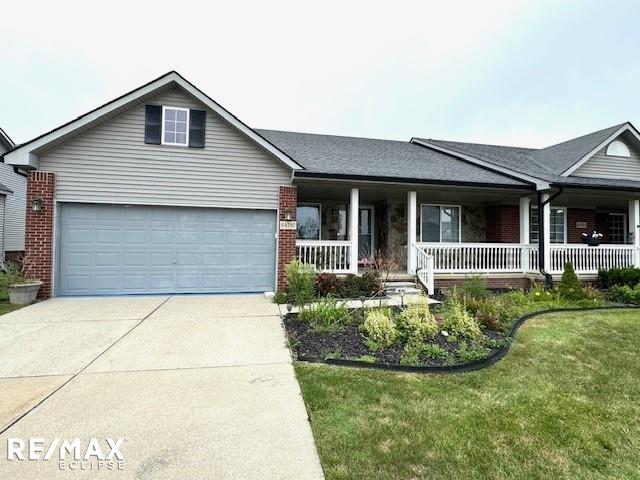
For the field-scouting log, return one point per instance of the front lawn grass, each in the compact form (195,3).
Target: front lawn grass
(5,306)
(564,403)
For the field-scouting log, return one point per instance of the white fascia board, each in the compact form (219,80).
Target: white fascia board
(624,128)
(24,157)
(538,182)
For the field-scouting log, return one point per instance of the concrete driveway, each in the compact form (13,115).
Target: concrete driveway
(197,386)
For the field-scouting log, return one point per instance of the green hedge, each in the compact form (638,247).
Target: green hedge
(629,276)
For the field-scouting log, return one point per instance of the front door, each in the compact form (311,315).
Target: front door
(365,233)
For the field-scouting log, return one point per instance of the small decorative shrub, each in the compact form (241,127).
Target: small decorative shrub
(474,287)
(327,284)
(472,352)
(625,294)
(488,311)
(619,276)
(411,355)
(354,286)
(416,324)
(301,282)
(592,293)
(379,329)
(280,298)
(435,352)
(570,287)
(539,293)
(458,321)
(326,315)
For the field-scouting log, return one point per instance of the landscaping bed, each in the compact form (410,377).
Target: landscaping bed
(471,327)
(348,342)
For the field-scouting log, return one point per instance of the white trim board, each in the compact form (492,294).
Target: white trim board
(627,127)
(23,156)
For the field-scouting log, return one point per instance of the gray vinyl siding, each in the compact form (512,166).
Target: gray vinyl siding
(112,164)
(603,166)
(2,216)
(15,208)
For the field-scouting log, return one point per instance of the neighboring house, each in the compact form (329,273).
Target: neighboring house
(164,191)
(13,192)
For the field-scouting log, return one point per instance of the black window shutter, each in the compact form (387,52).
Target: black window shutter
(153,124)
(196,128)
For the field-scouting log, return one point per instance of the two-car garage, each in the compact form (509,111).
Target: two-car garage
(133,249)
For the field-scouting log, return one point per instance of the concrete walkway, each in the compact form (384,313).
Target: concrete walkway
(198,387)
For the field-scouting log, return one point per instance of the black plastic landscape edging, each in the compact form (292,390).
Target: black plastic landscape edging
(464,367)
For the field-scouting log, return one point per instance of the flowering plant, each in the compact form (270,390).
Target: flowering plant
(594,235)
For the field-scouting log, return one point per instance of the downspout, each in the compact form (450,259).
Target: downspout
(541,234)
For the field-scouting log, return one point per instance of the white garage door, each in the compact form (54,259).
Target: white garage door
(117,249)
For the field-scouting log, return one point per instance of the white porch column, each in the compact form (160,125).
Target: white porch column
(545,220)
(524,232)
(634,230)
(354,217)
(412,220)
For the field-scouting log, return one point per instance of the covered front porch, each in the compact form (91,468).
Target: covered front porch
(447,231)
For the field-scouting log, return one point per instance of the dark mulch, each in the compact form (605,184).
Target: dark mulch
(349,343)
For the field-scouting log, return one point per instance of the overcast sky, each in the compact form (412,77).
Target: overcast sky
(503,72)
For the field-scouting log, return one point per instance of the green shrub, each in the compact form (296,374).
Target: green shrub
(379,330)
(411,355)
(434,351)
(474,287)
(280,298)
(354,286)
(10,273)
(301,282)
(619,276)
(539,293)
(592,293)
(488,311)
(625,294)
(458,322)
(472,352)
(416,324)
(326,315)
(570,287)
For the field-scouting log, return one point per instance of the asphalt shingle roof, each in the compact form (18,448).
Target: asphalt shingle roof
(546,163)
(330,154)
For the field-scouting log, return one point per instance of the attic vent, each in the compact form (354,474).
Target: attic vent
(618,149)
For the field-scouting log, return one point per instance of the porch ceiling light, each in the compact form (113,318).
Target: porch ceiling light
(37,204)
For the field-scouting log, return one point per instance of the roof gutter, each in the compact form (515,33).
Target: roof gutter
(405,180)
(597,187)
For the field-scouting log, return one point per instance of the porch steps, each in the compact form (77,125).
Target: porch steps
(395,288)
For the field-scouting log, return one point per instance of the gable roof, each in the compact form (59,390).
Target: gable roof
(382,160)
(5,140)
(552,164)
(22,155)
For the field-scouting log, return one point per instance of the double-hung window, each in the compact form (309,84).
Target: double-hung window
(175,126)
(440,223)
(308,221)
(617,228)
(558,225)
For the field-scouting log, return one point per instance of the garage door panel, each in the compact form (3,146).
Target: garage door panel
(109,249)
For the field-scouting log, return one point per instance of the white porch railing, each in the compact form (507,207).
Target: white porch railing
(424,269)
(481,257)
(326,255)
(588,260)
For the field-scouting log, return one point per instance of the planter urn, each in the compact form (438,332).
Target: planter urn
(24,293)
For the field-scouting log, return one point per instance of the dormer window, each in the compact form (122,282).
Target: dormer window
(175,126)
(618,149)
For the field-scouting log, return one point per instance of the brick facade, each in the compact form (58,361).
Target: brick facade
(39,230)
(503,224)
(286,238)
(576,215)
